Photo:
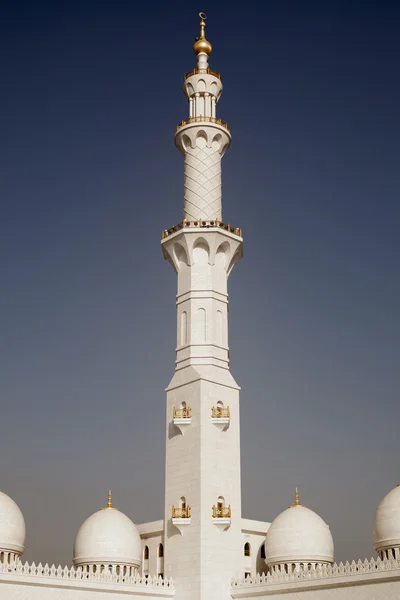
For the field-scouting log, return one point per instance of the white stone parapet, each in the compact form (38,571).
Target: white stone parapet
(71,577)
(365,568)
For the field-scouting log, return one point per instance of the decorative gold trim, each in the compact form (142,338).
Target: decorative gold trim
(221,512)
(183,413)
(219,412)
(207,71)
(207,223)
(181,513)
(202,119)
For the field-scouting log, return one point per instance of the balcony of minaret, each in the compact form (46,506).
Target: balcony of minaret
(221,514)
(181,516)
(202,119)
(182,417)
(220,416)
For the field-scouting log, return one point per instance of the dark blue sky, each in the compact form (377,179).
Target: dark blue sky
(89,178)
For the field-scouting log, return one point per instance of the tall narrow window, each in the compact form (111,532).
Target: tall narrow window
(146,553)
(160,551)
(201,325)
(219,325)
(263,552)
(247,549)
(184,328)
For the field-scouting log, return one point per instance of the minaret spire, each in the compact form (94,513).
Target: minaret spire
(202,47)
(202,138)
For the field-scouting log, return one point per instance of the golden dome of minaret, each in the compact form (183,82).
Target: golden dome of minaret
(201,44)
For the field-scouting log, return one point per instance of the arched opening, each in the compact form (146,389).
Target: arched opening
(247,549)
(263,552)
(160,551)
(183,502)
(146,553)
(221,503)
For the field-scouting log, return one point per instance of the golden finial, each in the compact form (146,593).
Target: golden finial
(202,44)
(109,502)
(296,499)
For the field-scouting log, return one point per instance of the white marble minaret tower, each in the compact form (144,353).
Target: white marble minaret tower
(203,547)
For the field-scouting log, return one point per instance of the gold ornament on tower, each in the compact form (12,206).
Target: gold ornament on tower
(202,44)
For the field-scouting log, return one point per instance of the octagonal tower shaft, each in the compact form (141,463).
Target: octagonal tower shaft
(202,537)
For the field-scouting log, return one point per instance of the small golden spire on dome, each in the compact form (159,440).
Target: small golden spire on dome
(109,502)
(202,44)
(296,499)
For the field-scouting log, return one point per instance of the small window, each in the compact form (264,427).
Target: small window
(160,551)
(247,549)
(183,502)
(146,553)
(263,552)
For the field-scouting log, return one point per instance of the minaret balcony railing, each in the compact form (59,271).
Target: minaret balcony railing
(221,512)
(219,412)
(203,224)
(181,513)
(202,119)
(202,72)
(183,413)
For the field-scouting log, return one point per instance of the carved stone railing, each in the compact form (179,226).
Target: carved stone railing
(221,512)
(90,573)
(219,412)
(202,72)
(321,572)
(181,513)
(202,119)
(183,413)
(201,223)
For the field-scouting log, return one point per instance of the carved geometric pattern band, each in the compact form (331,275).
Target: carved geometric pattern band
(202,183)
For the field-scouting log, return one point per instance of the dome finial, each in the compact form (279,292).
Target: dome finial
(109,501)
(202,45)
(296,499)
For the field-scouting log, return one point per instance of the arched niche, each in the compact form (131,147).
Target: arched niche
(180,256)
(201,252)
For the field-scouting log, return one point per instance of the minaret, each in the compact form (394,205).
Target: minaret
(203,547)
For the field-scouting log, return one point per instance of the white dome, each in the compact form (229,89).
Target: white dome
(386,529)
(12,526)
(298,535)
(108,537)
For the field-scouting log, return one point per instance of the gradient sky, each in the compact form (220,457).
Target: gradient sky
(90,177)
